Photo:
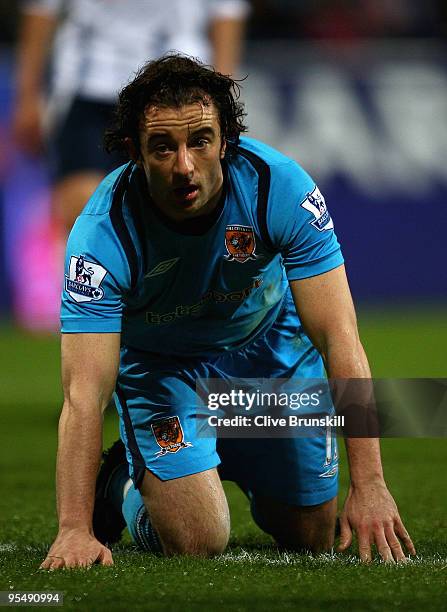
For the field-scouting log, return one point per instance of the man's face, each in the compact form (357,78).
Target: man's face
(181,152)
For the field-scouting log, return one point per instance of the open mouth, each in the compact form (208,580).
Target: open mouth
(188,193)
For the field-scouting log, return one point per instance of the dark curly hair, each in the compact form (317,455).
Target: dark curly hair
(173,81)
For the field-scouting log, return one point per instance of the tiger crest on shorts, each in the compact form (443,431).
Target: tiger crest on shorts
(169,435)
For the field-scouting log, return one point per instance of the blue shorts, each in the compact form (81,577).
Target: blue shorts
(155,393)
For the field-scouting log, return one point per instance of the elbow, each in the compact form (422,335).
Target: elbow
(83,401)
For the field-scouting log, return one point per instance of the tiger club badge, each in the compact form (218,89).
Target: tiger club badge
(169,436)
(240,243)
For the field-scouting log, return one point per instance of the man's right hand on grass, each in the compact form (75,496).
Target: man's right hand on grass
(76,548)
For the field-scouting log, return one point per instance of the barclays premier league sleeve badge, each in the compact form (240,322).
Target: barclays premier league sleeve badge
(84,279)
(316,205)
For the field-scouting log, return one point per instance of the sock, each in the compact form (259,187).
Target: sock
(126,488)
(138,523)
(115,488)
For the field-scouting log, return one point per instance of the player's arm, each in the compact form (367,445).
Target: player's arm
(89,371)
(36,33)
(227,30)
(325,307)
(226,38)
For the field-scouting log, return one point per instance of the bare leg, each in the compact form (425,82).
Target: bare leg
(189,514)
(71,194)
(303,528)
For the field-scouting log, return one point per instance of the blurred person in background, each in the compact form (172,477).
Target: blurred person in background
(94,47)
(8,24)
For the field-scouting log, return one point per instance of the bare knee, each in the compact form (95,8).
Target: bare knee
(196,540)
(299,528)
(189,514)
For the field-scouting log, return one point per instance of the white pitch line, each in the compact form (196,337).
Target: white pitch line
(294,559)
(8,547)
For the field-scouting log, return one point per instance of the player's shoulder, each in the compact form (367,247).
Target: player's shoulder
(104,232)
(282,171)
(95,231)
(110,189)
(253,148)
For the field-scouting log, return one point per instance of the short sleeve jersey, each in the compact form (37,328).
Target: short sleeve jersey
(127,270)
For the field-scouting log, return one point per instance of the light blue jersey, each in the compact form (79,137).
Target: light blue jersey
(178,293)
(206,299)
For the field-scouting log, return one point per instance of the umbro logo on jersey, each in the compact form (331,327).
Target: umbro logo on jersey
(162,267)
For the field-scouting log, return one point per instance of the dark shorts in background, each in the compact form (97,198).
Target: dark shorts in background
(77,143)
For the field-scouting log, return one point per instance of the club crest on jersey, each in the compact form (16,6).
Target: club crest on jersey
(316,205)
(240,242)
(84,279)
(169,436)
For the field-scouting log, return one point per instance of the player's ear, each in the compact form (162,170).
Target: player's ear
(132,150)
(223,148)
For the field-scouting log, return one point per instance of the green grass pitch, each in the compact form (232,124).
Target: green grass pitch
(251,574)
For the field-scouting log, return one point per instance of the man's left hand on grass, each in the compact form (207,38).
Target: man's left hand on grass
(371,512)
